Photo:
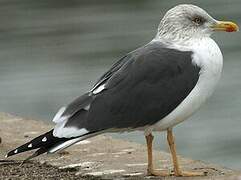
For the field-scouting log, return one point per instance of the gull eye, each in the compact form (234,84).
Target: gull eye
(198,20)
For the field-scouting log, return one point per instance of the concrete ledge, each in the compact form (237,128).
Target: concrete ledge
(101,157)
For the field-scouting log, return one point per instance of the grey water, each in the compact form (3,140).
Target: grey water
(53,51)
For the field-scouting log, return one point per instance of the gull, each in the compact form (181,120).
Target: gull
(152,88)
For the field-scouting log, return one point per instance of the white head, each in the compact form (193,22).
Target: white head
(188,21)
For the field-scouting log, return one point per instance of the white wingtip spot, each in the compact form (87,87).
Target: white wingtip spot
(57,117)
(16,151)
(30,145)
(44,139)
(6,156)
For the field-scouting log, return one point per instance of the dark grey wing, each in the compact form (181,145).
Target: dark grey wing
(82,103)
(110,72)
(148,85)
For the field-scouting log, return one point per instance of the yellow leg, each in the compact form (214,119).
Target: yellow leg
(177,170)
(150,169)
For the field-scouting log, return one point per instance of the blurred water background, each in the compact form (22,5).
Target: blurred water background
(52,51)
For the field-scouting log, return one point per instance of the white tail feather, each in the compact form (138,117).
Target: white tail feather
(70,142)
(65,145)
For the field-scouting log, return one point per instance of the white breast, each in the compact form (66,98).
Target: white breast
(208,56)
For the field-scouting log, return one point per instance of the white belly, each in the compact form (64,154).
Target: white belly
(208,56)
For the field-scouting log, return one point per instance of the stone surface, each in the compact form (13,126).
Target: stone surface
(101,157)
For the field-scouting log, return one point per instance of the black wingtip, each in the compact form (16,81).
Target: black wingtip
(20,149)
(11,153)
(36,143)
(42,143)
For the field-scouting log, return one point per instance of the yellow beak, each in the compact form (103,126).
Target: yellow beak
(225,26)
